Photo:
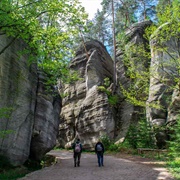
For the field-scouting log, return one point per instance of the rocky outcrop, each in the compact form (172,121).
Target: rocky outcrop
(46,122)
(86,111)
(29,116)
(18,85)
(173,108)
(129,57)
(164,73)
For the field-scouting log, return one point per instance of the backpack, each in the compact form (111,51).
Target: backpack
(99,147)
(77,147)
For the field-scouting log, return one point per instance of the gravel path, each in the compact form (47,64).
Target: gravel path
(114,169)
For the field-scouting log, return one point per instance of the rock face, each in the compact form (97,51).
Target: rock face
(29,116)
(46,122)
(86,112)
(129,113)
(173,108)
(164,71)
(18,85)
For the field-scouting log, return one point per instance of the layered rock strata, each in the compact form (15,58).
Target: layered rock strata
(86,112)
(128,113)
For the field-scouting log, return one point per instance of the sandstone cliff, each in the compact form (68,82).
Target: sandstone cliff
(30,116)
(18,86)
(86,112)
(164,87)
(129,57)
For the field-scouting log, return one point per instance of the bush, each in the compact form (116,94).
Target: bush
(140,135)
(5,164)
(114,147)
(106,141)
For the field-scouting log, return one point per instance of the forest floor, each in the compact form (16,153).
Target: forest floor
(116,167)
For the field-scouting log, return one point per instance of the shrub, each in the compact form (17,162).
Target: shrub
(140,135)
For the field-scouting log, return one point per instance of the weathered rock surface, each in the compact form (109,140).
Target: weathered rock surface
(164,71)
(86,112)
(31,127)
(32,124)
(127,112)
(18,85)
(173,108)
(46,122)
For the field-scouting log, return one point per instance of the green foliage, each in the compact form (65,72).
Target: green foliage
(168,17)
(7,171)
(14,173)
(140,135)
(168,12)
(5,112)
(112,98)
(111,146)
(4,163)
(136,60)
(48,27)
(106,141)
(5,133)
(174,143)
(174,167)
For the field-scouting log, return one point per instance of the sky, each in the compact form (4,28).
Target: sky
(91,6)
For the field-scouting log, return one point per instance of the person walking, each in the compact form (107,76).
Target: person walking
(99,149)
(77,149)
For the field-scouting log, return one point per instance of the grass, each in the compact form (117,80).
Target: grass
(13,173)
(174,167)
(9,172)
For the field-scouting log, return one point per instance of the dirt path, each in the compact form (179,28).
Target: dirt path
(114,169)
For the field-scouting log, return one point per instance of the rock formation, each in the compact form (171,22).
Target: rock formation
(86,112)
(164,90)
(46,121)
(18,85)
(28,112)
(129,113)
(29,115)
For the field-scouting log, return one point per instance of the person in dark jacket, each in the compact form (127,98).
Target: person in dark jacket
(99,149)
(77,149)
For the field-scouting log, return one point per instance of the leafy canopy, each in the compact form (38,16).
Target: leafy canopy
(47,26)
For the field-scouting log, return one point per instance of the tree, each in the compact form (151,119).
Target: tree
(146,9)
(47,26)
(169,19)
